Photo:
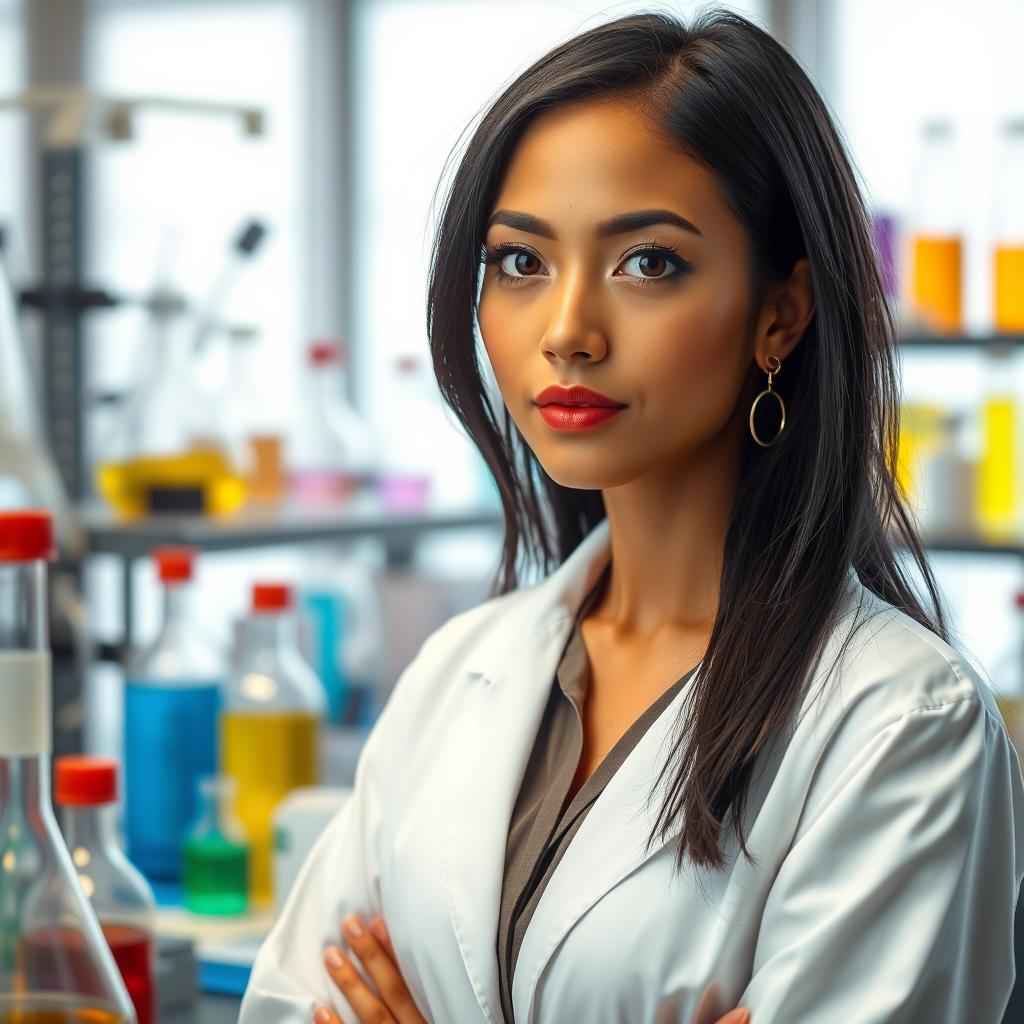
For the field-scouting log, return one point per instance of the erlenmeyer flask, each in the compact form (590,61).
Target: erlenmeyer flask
(55,965)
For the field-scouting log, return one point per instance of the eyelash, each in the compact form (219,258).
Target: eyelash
(495,254)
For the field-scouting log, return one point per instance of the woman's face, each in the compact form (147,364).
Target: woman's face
(651,315)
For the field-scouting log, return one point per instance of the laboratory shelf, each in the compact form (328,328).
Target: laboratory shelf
(269,528)
(961,342)
(361,517)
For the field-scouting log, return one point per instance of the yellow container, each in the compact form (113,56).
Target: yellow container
(129,486)
(268,755)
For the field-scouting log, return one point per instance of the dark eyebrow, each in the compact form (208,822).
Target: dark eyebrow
(613,226)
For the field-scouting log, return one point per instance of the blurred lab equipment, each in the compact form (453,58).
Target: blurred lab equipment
(937,231)
(345,613)
(333,449)
(168,450)
(164,454)
(1008,197)
(270,727)
(85,788)
(54,962)
(172,699)
(298,821)
(216,852)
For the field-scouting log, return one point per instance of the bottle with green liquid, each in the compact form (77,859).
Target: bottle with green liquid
(216,855)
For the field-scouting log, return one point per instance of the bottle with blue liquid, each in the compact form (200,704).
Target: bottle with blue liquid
(172,703)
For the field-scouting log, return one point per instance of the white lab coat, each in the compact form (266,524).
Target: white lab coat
(888,830)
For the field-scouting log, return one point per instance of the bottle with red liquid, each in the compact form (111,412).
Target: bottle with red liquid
(55,967)
(85,788)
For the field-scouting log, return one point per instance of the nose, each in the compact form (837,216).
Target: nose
(574,330)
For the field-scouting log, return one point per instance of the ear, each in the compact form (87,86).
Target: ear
(788,309)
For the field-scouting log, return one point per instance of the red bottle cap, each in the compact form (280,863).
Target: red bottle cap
(82,780)
(1019,599)
(26,535)
(174,565)
(324,351)
(271,597)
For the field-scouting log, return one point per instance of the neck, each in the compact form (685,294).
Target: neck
(667,537)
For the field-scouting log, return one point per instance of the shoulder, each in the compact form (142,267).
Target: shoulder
(889,686)
(880,658)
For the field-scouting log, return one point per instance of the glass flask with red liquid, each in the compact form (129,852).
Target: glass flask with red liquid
(85,788)
(55,967)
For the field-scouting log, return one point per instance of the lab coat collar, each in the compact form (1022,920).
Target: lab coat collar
(499,716)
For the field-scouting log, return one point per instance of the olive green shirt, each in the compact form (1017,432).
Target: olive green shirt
(541,829)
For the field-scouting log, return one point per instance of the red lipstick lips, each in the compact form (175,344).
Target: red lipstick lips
(576,408)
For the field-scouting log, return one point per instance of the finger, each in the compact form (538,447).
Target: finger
(741,1015)
(382,968)
(325,1015)
(380,929)
(361,998)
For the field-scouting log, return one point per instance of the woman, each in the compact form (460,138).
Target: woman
(720,759)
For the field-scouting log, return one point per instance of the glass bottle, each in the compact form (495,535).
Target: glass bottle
(164,454)
(55,967)
(405,478)
(1009,230)
(937,233)
(345,611)
(85,788)
(216,853)
(172,700)
(334,449)
(270,728)
(257,446)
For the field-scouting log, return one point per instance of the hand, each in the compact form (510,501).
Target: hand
(392,1003)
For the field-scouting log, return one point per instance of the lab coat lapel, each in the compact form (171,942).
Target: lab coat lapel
(505,691)
(609,845)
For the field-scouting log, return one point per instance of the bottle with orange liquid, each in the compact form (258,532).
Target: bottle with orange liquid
(936,253)
(55,967)
(86,790)
(273,707)
(1009,230)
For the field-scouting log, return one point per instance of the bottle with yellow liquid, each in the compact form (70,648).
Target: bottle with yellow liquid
(936,242)
(273,708)
(166,451)
(998,494)
(1008,254)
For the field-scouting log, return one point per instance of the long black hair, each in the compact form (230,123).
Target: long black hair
(821,499)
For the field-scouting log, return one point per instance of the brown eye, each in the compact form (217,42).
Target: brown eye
(523,261)
(652,264)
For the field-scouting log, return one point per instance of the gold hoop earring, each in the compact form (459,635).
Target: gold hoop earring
(774,369)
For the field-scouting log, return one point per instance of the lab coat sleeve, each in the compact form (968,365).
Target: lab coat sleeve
(340,876)
(895,902)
